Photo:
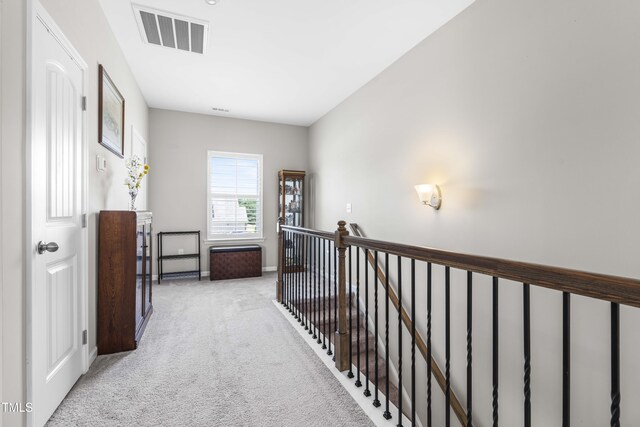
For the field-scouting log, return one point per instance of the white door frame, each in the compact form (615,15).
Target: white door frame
(135,138)
(36,13)
(1,222)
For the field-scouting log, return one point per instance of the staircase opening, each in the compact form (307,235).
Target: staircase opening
(357,299)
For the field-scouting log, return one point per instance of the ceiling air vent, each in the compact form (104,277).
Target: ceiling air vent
(171,30)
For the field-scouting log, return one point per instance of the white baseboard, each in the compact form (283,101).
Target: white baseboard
(269,269)
(92,355)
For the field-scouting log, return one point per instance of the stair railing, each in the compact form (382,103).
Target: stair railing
(456,406)
(303,272)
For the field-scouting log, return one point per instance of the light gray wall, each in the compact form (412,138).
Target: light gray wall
(178,160)
(526,114)
(93,39)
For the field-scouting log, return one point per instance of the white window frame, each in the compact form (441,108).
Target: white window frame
(253,237)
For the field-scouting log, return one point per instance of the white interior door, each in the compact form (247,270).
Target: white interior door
(56,296)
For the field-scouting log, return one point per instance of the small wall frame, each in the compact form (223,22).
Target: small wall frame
(110,114)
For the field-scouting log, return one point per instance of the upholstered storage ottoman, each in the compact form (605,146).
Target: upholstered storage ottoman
(235,262)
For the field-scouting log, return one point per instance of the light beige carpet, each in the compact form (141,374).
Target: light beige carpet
(214,354)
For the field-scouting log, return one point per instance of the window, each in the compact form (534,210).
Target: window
(234,196)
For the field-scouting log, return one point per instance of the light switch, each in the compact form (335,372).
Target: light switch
(101,163)
(348,207)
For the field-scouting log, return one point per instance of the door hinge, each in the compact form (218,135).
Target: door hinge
(84,220)
(84,337)
(84,103)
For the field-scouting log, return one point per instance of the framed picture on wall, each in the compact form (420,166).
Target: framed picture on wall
(110,114)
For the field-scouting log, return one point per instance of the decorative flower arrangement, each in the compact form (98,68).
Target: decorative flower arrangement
(136,170)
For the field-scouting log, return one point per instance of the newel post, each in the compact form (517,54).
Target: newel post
(280,259)
(343,334)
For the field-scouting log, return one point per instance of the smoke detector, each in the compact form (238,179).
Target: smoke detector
(171,30)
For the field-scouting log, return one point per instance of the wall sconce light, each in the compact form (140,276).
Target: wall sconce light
(429,195)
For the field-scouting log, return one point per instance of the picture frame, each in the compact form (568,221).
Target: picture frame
(110,114)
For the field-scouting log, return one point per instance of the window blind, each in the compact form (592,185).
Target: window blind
(234,196)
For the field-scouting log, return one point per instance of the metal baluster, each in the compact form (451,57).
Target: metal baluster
(289,268)
(294,293)
(331,330)
(358,382)
(294,277)
(495,352)
(399,342)
(350,373)
(615,365)
(526,297)
(335,291)
(447,345)
(376,401)
(386,412)
(302,282)
(310,285)
(159,261)
(316,279)
(413,342)
(292,287)
(469,349)
(429,283)
(283,269)
(305,280)
(301,278)
(289,275)
(366,392)
(298,281)
(566,359)
(305,283)
(288,271)
(324,291)
(285,295)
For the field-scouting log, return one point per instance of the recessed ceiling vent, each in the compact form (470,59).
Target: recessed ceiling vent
(171,30)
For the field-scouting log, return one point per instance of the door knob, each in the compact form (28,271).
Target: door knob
(48,247)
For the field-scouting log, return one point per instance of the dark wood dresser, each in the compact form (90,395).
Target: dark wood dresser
(124,279)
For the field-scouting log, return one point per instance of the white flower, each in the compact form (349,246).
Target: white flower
(135,175)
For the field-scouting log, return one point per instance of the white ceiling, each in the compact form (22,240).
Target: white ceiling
(284,61)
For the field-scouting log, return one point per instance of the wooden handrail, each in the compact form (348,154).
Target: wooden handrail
(616,289)
(308,231)
(420,343)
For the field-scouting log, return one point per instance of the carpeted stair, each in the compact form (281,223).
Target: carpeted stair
(328,322)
